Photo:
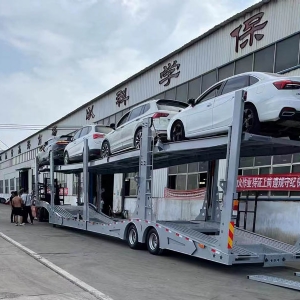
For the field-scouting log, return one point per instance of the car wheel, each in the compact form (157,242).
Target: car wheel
(138,139)
(105,149)
(66,158)
(251,122)
(132,237)
(153,242)
(177,132)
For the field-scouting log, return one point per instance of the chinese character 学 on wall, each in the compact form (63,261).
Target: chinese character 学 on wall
(90,113)
(248,34)
(121,97)
(169,72)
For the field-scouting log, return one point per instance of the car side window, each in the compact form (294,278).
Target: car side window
(146,108)
(235,84)
(136,112)
(123,120)
(253,80)
(77,134)
(84,131)
(214,92)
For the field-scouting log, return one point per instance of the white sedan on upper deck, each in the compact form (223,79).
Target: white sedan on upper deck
(272,106)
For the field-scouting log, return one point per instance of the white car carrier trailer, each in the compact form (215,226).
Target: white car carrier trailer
(213,235)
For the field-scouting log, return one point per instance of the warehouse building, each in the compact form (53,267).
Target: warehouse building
(265,37)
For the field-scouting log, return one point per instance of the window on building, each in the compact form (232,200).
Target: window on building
(170,94)
(17,184)
(12,184)
(264,60)
(246,162)
(106,121)
(188,176)
(262,161)
(75,185)
(282,159)
(225,72)
(194,88)
(6,186)
(62,179)
(235,84)
(1,186)
(182,92)
(281,170)
(243,65)
(296,158)
(287,52)
(208,80)
(130,185)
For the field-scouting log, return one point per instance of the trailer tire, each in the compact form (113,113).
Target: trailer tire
(132,237)
(153,242)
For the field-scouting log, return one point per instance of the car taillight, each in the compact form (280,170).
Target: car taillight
(287,85)
(62,143)
(98,136)
(159,115)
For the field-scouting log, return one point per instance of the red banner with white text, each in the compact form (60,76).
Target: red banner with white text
(271,182)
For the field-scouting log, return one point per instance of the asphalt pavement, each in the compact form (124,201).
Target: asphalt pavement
(111,267)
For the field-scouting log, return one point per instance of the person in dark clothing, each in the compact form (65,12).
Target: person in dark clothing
(12,208)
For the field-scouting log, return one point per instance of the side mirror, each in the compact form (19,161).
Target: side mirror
(112,126)
(191,102)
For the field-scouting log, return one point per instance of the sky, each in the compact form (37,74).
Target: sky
(57,55)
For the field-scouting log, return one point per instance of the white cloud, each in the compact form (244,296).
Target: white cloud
(63,54)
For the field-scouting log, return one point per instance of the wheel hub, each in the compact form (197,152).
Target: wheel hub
(153,241)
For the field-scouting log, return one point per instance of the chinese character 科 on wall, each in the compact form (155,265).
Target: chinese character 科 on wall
(122,97)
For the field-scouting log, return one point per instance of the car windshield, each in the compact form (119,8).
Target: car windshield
(103,129)
(170,105)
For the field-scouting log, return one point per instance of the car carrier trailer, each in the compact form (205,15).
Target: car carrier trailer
(213,235)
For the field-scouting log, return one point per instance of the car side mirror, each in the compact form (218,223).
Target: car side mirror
(112,126)
(191,102)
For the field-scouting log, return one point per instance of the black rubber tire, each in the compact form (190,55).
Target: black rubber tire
(107,152)
(132,237)
(153,248)
(66,158)
(251,113)
(137,146)
(181,136)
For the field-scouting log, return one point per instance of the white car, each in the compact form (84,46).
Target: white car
(272,106)
(95,135)
(128,132)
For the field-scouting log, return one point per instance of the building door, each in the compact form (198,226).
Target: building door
(24,180)
(108,185)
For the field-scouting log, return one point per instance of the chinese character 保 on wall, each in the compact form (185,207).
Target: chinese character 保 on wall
(121,97)
(90,113)
(169,72)
(251,25)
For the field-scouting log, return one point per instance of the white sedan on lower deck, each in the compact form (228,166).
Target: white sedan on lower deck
(272,106)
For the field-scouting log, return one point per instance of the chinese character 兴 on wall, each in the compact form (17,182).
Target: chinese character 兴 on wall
(54,130)
(40,139)
(251,25)
(19,149)
(121,96)
(169,72)
(90,113)
(28,145)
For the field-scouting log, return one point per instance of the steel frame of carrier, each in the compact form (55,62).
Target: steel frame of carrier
(212,235)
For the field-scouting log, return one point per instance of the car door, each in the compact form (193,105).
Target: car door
(130,127)
(71,148)
(198,119)
(223,104)
(80,141)
(114,137)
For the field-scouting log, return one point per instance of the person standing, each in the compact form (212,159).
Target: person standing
(27,201)
(17,209)
(12,208)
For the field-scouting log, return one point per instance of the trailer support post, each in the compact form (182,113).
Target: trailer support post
(85,181)
(36,183)
(227,226)
(99,189)
(144,200)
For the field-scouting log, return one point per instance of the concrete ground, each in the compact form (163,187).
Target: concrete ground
(113,268)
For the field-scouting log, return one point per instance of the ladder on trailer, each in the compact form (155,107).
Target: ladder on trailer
(212,235)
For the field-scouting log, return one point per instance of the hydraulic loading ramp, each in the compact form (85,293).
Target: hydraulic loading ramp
(216,241)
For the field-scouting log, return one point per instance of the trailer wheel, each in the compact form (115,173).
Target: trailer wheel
(153,242)
(132,237)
